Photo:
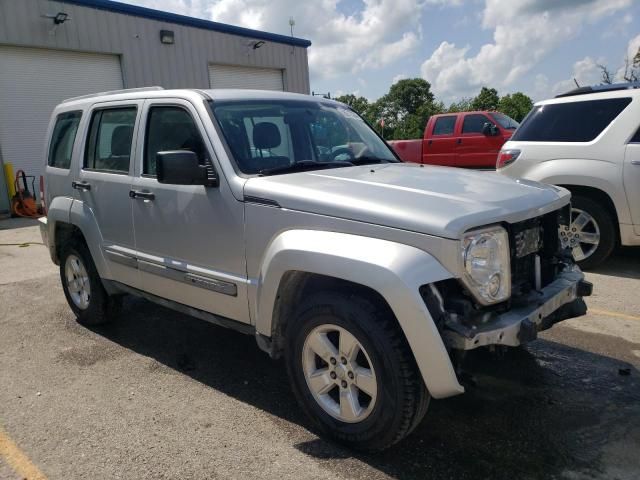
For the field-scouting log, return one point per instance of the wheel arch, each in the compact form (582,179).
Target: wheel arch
(599,196)
(67,219)
(298,260)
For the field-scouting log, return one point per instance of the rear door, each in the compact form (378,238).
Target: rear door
(60,150)
(474,148)
(632,179)
(439,147)
(103,182)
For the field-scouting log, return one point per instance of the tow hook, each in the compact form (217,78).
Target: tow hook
(585,289)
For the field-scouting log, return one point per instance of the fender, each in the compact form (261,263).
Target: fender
(601,175)
(82,217)
(57,212)
(394,270)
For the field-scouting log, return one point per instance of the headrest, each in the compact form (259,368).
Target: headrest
(266,135)
(121,141)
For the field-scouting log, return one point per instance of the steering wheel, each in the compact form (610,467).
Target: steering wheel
(342,151)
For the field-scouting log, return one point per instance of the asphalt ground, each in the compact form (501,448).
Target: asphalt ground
(160,395)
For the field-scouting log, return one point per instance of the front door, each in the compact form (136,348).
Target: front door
(189,238)
(632,179)
(476,149)
(103,182)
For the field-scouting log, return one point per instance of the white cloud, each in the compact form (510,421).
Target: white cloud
(381,32)
(540,87)
(585,72)
(632,50)
(524,32)
(397,78)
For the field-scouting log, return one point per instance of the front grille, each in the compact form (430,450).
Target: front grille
(535,236)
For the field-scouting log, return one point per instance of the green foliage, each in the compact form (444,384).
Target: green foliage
(515,105)
(463,105)
(487,99)
(405,109)
(359,104)
(409,103)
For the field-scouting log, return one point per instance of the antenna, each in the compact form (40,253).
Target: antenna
(292,23)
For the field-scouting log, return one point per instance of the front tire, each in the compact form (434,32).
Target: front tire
(353,372)
(83,288)
(592,233)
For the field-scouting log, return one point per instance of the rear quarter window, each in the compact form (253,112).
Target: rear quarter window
(570,122)
(63,138)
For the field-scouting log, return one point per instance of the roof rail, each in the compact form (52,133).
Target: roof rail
(114,92)
(600,88)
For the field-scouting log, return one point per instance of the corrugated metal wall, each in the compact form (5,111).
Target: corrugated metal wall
(146,61)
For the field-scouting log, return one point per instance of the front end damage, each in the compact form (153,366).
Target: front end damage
(547,287)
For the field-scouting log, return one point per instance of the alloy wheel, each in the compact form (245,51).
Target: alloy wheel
(339,373)
(582,236)
(78,283)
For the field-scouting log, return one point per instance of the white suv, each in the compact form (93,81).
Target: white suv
(588,141)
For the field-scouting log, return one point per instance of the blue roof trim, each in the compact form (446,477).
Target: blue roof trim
(159,15)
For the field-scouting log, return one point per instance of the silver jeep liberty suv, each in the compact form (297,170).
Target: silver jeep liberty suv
(286,217)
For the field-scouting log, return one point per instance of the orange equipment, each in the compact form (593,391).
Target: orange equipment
(23,203)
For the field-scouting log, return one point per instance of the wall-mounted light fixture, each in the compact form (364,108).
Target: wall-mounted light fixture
(257,45)
(58,19)
(167,37)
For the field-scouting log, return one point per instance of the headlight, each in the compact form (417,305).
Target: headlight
(487,268)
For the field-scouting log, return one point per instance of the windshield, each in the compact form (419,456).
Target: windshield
(505,121)
(281,136)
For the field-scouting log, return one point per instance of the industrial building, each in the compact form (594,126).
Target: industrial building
(53,50)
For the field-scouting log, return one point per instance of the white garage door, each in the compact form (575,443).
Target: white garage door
(225,76)
(32,82)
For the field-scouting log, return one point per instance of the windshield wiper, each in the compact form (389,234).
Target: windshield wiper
(303,166)
(369,160)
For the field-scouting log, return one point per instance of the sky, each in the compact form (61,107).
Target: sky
(363,46)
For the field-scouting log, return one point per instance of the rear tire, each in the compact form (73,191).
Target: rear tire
(599,225)
(390,406)
(83,287)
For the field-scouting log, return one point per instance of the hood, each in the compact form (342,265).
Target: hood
(439,201)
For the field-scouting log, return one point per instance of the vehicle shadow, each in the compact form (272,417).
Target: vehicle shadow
(625,262)
(533,414)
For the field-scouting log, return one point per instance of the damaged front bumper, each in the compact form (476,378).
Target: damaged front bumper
(560,300)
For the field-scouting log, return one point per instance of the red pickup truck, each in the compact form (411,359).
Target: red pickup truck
(466,139)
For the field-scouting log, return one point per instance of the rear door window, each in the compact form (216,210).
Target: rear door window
(62,139)
(444,125)
(570,122)
(110,139)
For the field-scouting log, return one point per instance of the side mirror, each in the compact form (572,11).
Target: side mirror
(180,167)
(490,129)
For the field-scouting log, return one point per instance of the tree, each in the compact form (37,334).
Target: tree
(630,72)
(463,105)
(606,75)
(515,105)
(487,99)
(359,104)
(406,108)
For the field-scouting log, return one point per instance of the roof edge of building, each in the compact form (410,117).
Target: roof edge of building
(168,17)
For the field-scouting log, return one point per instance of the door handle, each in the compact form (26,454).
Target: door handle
(635,162)
(141,194)
(81,186)
(459,141)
